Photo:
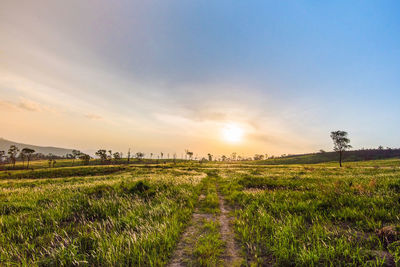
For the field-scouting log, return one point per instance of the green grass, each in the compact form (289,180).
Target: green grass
(349,156)
(315,216)
(134,218)
(210,202)
(304,215)
(43,164)
(61,172)
(209,245)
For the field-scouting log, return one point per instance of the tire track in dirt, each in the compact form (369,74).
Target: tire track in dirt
(231,256)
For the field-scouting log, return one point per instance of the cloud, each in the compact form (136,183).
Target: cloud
(24,104)
(93,116)
(30,105)
(7,105)
(201,116)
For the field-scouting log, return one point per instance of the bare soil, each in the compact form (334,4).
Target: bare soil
(231,256)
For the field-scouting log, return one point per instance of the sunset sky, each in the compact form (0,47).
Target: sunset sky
(210,76)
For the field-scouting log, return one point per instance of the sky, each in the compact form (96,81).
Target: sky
(165,76)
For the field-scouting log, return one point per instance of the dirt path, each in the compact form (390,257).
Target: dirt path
(231,255)
(182,253)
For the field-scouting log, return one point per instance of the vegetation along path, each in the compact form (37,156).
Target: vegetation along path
(209,238)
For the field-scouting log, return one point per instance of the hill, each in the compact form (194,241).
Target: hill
(5,145)
(354,155)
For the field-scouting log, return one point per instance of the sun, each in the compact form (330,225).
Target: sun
(232,133)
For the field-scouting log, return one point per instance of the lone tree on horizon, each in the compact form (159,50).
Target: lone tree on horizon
(341,143)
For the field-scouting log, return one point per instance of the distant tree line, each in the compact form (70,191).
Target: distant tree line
(14,154)
(340,140)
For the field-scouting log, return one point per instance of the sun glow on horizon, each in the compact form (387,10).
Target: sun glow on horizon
(232,133)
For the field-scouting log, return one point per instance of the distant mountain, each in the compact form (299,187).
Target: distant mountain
(5,145)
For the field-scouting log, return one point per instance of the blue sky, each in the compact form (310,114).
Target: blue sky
(169,75)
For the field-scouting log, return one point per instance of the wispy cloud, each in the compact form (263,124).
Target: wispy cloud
(23,105)
(7,105)
(30,105)
(93,116)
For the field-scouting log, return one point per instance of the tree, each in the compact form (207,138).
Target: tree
(258,157)
(340,143)
(75,154)
(233,156)
(12,152)
(139,155)
(102,154)
(189,154)
(85,158)
(209,157)
(2,156)
(161,155)
(129,155)
(117,156)
(22,157)
(28,153)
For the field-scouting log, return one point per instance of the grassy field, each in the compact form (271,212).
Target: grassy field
(138,215)
(61,163)
(317,216)
(349,156)
(132,218)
